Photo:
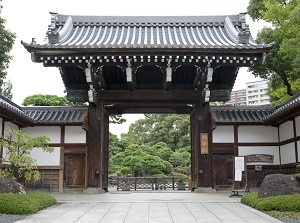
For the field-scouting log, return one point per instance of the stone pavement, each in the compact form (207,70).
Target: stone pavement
(148,207)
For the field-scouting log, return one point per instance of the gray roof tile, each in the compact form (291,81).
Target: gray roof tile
(69,31)
(240,114)
(56,115)
(14,112)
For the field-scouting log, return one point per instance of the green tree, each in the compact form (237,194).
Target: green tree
(282,62)
(170,129)
(45,100)
(7,39)
(17,147)
(153,165)
(5,90)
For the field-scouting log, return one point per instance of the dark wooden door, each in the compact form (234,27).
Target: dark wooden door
(74,170)
(223,169)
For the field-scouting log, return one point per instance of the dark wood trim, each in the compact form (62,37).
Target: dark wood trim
(141,96)
(1,148)
(81,150)
(235,140)
(279,149)
(62,159)
(67,144)
(248,144)
(295,142)
(288,141)
(49,168)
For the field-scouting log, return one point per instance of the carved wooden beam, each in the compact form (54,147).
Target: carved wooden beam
(99,78)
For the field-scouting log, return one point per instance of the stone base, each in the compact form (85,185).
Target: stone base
(93,190)
(205,190)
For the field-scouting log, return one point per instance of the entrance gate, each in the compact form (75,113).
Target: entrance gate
(148,65)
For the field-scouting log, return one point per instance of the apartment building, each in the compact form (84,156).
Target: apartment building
(256,93)
(237,98)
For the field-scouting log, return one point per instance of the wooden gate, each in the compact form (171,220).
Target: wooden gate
(74,170)
(223,169)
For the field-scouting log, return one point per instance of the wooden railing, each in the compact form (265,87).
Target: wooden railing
(152,183)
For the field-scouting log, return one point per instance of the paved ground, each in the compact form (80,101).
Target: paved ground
(148,207)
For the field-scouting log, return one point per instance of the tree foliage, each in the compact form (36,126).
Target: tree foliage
(143,151)
(5,89)
(7,39)
(45,100)
(282,62)
(170,129)
(17,147)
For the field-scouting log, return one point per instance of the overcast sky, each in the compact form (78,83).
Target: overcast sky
(30,19)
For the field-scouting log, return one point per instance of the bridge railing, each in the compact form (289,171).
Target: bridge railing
(152,183)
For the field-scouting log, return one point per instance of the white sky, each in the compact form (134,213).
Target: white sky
(30,19)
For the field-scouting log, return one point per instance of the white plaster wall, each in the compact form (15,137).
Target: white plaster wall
(286,131)
(53,132)
(297,120)
(223,134)
(75,134)
(269,150)
(10,125)
(288,153)
(257,134)
(46,159)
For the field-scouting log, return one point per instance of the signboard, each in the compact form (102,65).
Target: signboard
(204,143)
(260,158)
(239,167)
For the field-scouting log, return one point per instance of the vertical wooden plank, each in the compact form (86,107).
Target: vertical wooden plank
(94,146)
(295,141)
(62,158)
(206,173)
(195,150)
(104,148)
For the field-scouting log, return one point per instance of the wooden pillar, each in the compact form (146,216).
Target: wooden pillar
(104,131)
(202,171)
(94,147)
(194,150)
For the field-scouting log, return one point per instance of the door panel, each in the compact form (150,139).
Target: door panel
(223,169)
(74,170)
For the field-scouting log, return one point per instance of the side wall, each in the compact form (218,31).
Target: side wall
(283,143)
(64,140)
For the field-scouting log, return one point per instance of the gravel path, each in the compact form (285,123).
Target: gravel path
(11,218)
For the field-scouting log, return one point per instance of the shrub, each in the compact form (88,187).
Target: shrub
(25,203)
(277,203)
(125,171)
(158,175)
(297,176)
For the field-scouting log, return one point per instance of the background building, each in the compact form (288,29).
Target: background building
(254,94)
(238,98)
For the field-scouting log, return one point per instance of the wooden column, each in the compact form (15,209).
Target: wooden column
(94,147)
(194,149)
(104,132)
(206,170)
(202,174)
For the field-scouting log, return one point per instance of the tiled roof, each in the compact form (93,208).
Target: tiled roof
(13,112)
(54,115)
(240,114)
(284,110)
(199,32)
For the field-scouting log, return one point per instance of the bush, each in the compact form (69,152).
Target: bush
(297,176)
(277,203)
(158,175)
(25,203)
